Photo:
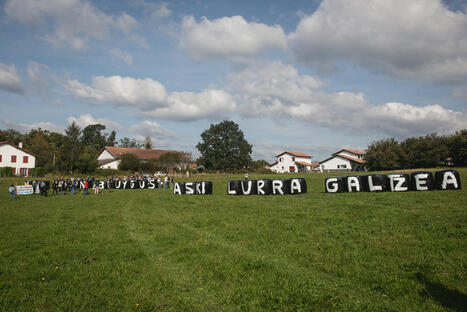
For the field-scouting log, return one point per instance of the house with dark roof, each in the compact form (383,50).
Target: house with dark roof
(291,162)
(344,160)
(15,156)
(109,157)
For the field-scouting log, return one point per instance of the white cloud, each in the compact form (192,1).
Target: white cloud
(278,91)
(38,73)
(189,106)
(85,120)
(72,22)
(158,134)
(127,25)
(25,128)
(144,94)
(228,37)
(10,79)
(151,99)
(160,11)
(124,56)
(418,39)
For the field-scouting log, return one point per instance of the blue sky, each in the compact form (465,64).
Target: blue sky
(304,76)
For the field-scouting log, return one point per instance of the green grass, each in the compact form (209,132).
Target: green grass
(148,250)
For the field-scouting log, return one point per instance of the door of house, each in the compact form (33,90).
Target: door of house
(291,169)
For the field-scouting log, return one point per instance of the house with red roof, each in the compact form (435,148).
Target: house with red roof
(109,157)
(344,160)
(15,156)
(291,162)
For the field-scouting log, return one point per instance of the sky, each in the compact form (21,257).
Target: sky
(302,76)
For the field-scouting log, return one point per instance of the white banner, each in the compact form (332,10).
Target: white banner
(24,190)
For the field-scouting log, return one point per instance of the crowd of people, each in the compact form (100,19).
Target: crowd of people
(72,185)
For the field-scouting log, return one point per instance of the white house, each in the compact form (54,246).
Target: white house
(16,157)
(291,162)
(344,160)
(109,157)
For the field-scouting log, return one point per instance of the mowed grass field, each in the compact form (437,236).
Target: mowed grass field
(149,250)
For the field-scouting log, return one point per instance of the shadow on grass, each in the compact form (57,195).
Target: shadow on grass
(448,298)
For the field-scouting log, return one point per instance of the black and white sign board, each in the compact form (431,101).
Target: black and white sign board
(291,186)
(395,182)
(193,188)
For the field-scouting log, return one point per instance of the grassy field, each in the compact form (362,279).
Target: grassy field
(148,250)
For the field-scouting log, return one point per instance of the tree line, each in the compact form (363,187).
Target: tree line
(75,150)
(427,151)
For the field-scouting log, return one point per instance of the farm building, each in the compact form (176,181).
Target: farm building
(15,156)
(344,160)
(291,162)
(109,157)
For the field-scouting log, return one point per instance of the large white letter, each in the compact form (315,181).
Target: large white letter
(295,185)
(353,181)
(334,187)
(277,186)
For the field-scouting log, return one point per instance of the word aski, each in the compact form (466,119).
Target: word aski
(193,188)
(396,182)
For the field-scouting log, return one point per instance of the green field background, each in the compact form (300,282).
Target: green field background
(149,250)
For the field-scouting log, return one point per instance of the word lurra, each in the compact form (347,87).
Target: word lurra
(246,187)
(396,182)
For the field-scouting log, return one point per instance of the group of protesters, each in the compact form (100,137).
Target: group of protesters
(62,185)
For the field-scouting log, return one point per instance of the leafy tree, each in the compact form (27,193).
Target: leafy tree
(457,146)
(423,152)
(383,155)
(172,160)
(128,162)
(93,137)
(224,147)
(131,143)
(71,149)
(147,142)
(38,144)
(11,136)
(87,162)
(111,138)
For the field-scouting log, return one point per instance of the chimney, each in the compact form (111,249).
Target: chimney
(20,144)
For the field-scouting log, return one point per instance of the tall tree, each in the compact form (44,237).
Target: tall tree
(93,137)
(71,149)
(38,144)
(147,142)
(11,136)
(457,145)
(111,138)
(127,142)
(383,155)
(224,147)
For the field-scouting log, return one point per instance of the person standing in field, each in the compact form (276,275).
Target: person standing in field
(43,188)
(11,190)
(85,187)
(96,188)
(54,187)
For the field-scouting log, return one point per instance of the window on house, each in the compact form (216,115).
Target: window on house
(293,158)
(25,159)
(342,166)
(13,158)
(0,158)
